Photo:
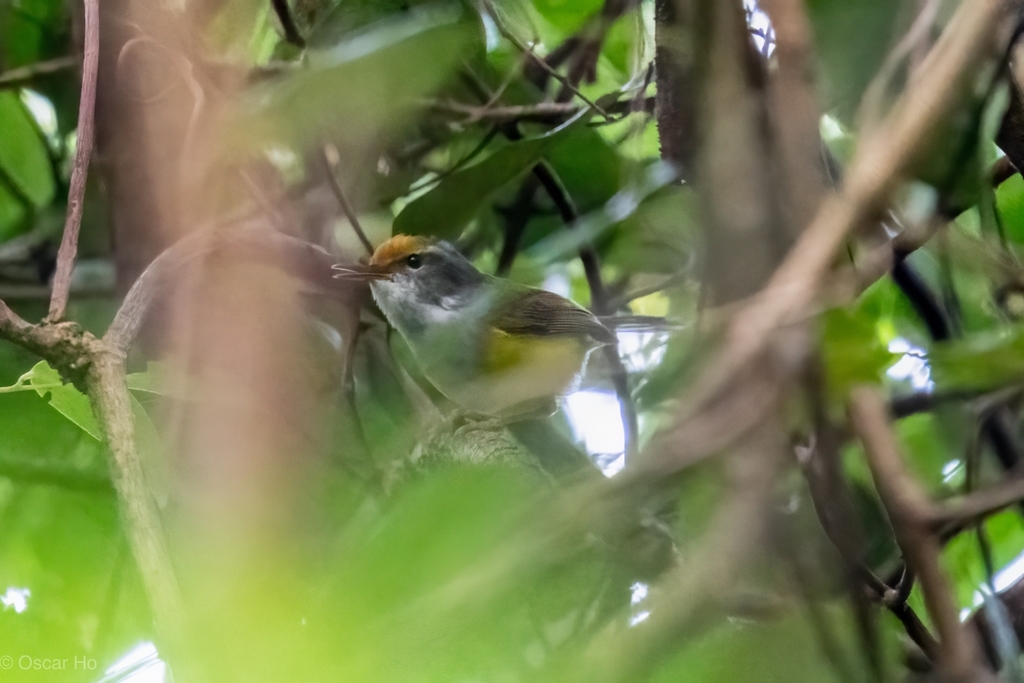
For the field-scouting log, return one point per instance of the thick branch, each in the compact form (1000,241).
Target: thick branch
(80,170)
(112,405)
(794,114)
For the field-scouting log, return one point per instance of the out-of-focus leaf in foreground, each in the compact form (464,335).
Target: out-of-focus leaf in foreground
(851,39)
(852,351)
(416,592)
(786,649)
(984,361)
(362,87)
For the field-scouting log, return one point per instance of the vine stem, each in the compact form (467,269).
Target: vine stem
(80,171)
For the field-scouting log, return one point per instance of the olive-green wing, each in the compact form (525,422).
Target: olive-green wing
(537,312)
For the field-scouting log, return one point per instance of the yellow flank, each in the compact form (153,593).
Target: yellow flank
(504,352)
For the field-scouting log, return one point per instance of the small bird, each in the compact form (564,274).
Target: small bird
(490,345)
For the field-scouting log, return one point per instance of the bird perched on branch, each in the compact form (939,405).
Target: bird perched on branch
(490,345)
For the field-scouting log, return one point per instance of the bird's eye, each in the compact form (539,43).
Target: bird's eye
(414,261)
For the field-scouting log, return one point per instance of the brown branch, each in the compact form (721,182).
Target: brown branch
(977,505)
(18,77)
(329,160)
(795,116)
(909,509)
(541,110)
(882,157)
(80,170)
(111,402)
(745,239)
(831,497)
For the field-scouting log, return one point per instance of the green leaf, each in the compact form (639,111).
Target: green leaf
(852,351)
(13,213)
(660,237)
(1010,203)
(65,398)
(931,441)
(777,650)
(152,381)
(446,209)
(24,161)
(588,167)
(567,15)
(617,209)
(360,88)
(980,362)
(76,407)
(851,39)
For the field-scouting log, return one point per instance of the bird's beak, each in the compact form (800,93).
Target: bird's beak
(357,272)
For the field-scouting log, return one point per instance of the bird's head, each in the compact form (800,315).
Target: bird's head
(416,270)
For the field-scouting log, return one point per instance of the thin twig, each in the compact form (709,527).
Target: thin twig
(528,50)
(979,504)
(26,74)
(291,30)
(328,157)
(542,110)
(80,170)
(909,508)
(458,165)
(599,302)
(640,292)
(831,497)
(516,218)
